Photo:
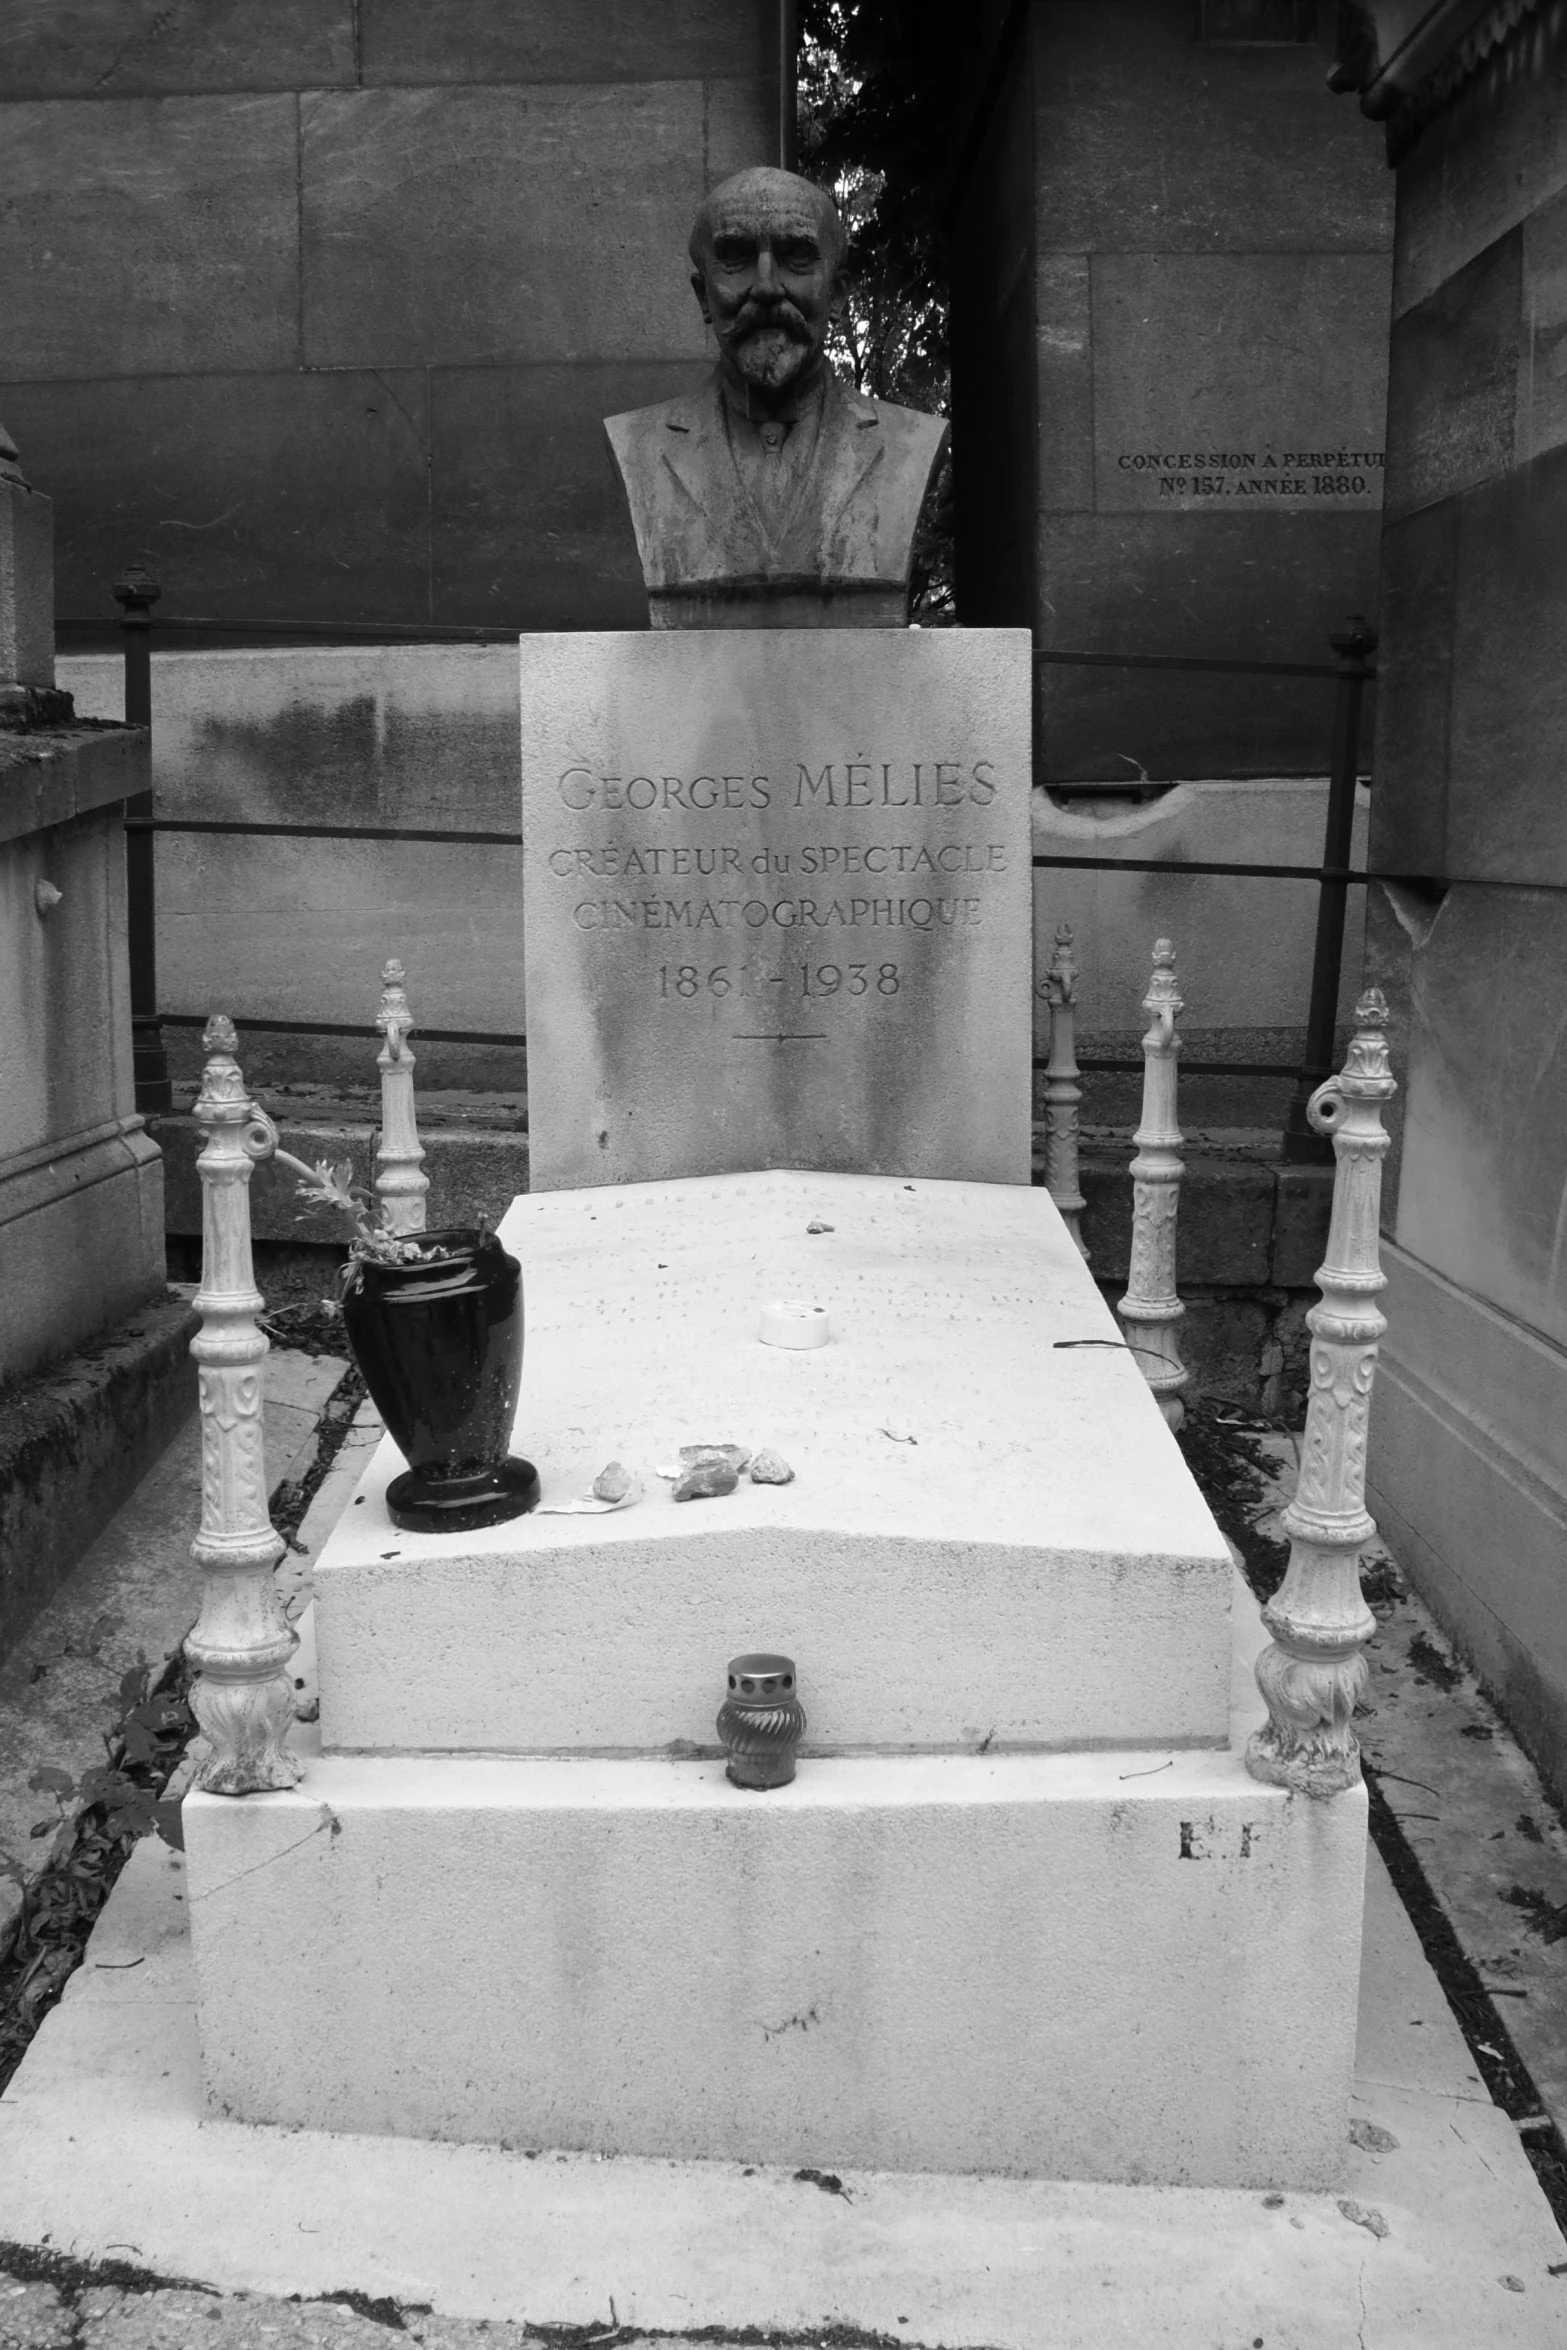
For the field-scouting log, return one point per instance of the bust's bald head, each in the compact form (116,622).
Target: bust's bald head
(767,252)
(781,197)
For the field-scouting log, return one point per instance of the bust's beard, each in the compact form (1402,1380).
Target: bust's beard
(770,358)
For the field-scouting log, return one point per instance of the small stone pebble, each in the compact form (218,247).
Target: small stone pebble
(1364,2217)
(612,1483)
(736,1455)
(706,1480)
(770,1468)
(1513,2284)
(818,1226)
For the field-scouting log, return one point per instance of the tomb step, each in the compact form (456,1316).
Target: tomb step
(991,1539)
(1137,1966)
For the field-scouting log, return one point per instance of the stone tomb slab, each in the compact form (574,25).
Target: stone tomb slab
(991,1541)
(777,896)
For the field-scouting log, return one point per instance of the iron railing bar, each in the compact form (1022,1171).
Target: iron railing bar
(392,631)
(345,1028)
(500,840)
(1366,672)
(1194,865)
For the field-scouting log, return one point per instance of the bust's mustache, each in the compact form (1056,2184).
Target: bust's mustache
(769,318)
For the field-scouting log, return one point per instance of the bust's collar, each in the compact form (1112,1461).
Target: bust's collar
(810,402)
(702,411)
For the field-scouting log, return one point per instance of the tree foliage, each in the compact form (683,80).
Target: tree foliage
(874,128)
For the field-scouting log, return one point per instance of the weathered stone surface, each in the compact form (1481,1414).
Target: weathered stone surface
(695,805)
(123,48)
(539,41)
(770,1468)
(530,528)
(1153,143)
(613,1482)
(248,494)
(1455,380)
(177,218)
(1266,371)
(1204,582)
(385,216)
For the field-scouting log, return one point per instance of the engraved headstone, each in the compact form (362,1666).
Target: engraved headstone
(777,900)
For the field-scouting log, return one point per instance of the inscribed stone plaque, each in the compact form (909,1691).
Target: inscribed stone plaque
(777,898)
(1240,383)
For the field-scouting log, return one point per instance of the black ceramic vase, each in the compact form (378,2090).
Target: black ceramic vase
(440,1346)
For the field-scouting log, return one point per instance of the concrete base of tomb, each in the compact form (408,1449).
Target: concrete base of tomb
(1129,1967)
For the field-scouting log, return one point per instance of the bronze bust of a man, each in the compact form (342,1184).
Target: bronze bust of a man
(776,497)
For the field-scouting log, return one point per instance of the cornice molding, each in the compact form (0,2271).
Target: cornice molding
(1409,59)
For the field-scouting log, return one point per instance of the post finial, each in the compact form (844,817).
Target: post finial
(218,1036)
(400,1182)
(1151,1309)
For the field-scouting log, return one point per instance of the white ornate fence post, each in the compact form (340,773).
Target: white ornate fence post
(241,1644)
(1151,1309)
(400,1180)
(1062,1091)
(1314,1674)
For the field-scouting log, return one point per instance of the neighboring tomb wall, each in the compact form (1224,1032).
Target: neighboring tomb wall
(316,307)
(1170,314)
(1467,1462)
(81,1182)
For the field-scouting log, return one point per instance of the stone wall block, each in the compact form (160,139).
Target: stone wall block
(1507,709)
(531,528)
(1206,583)
(423,41)
(1542,373)
(249,494)
(131,48)
(1414,670)
(176,218)
(26,585)
(1454,380)
(1256,153)
(740,130)
(562,235)
(1063,330)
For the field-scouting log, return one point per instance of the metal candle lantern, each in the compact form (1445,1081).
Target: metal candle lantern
(761,1720)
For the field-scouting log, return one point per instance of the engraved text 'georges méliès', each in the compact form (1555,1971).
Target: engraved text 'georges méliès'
(897,867)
